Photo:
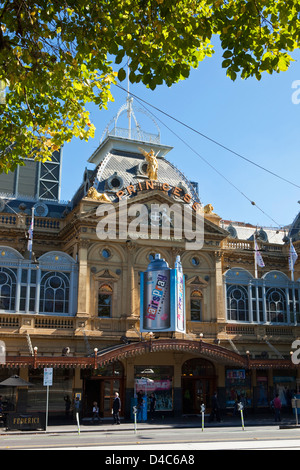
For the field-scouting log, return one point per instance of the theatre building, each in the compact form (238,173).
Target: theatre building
(80,301)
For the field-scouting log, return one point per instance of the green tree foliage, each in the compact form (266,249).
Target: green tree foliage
(56,56)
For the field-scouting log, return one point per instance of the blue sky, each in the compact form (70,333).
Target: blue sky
(256,119)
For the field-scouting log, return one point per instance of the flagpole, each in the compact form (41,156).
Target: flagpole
(291,261)
(258,260)
(31,233)
(255,260)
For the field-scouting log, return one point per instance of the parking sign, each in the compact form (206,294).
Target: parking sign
(48,376)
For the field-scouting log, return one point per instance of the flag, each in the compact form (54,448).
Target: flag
(30,233)
(258,258)
(292,257)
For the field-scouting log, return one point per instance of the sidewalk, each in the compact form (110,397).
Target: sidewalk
(185,421)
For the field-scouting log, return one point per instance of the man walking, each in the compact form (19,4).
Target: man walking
(116,408)
(215,409)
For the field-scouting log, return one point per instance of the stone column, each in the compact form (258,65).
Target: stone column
(132,308)
(219,295)
(83,279)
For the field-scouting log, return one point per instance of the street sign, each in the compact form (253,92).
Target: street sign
(48,382)
(48,376)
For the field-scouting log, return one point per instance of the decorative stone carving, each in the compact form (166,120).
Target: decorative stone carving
(93,194)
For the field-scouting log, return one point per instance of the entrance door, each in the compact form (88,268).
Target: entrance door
(109,387)
(198,384)
(103,392)
(195,392)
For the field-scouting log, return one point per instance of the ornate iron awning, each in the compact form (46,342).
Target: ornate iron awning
(213,352)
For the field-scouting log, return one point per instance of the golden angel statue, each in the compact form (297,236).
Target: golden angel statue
(152,163)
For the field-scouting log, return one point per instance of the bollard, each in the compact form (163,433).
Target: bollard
(78,425)
(134,414)
(240,408)
(202,411)
(295,406)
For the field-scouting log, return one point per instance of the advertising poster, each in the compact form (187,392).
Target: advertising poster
(180,307)
(162,297)
(162,390)
(156,300)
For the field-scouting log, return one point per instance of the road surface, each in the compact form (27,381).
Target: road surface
(159,440)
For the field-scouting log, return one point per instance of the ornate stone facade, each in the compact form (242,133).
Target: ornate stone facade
(75,305)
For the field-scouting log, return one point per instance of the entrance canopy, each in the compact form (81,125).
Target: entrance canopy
(202,349)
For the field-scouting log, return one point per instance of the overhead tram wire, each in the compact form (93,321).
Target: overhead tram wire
(218,172)
(202,158)
(209,138)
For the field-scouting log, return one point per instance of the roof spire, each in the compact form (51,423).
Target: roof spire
(129,101)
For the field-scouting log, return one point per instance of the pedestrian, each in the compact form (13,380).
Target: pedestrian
(96,412)
(77,406)
(116,408)
(215,409)
(67,405)
(152,405)
(236,407)
(244,402)
(277,407)
(140,405)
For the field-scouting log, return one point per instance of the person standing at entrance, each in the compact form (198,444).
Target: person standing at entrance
(215,409)
(96,412)
(152,405)
(116,408)
(67,405)
(77,407)
(140,405)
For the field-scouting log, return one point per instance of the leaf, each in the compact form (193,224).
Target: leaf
(226,63)
(121,75)
(66,59)
(227,54)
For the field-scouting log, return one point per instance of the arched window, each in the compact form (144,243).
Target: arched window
(105,301)
(196,305)
(197,368)
(276,305)
(237,303)
(7,288)
(54,293)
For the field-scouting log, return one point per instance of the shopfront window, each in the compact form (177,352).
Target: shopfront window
(284,383)
(261,389)
(157,380)
(60,390)
(238,387)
